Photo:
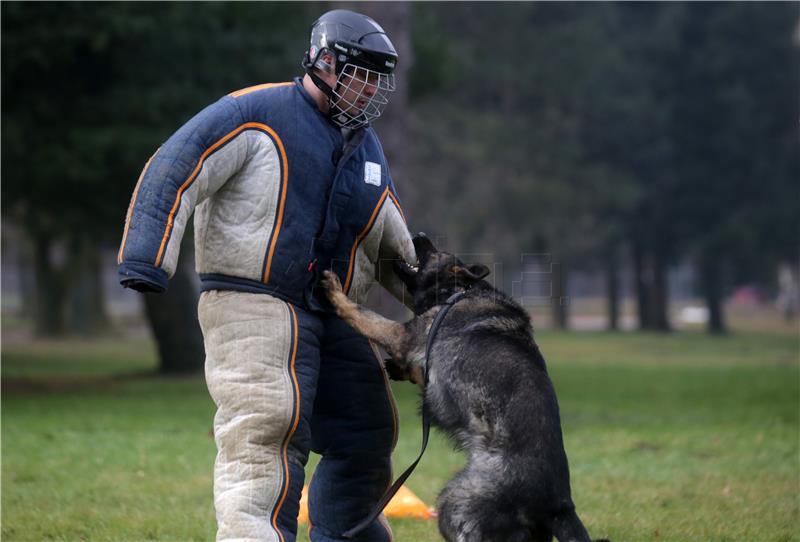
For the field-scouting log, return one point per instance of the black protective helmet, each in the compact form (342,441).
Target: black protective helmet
(365,61)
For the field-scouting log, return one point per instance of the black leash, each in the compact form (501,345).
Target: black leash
(426,423)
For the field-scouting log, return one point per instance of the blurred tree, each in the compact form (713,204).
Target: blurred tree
(710,143)
(625,134)
(48,78)
(504,132)
(567,128)
(90,91)
(735,133)
(574,129)
(696,115)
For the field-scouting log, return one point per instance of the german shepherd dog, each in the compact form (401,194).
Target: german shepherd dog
(488,389)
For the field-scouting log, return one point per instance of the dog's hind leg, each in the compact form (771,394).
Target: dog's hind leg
(567,527)
(457,521)
(470,510)
(387,333)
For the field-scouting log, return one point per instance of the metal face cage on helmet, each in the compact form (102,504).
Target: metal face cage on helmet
(360,96)
(364,64)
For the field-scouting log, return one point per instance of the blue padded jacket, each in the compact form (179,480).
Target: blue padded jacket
(277,195)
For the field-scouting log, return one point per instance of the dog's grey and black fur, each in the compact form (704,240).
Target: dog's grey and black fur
(487,388)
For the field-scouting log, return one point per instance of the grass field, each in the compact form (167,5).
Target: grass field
(680,437)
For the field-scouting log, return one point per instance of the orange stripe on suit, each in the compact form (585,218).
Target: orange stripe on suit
(397,204)
(295,422)
(131,206)
(360,238)
(281,205)
(255,88)
(227,137)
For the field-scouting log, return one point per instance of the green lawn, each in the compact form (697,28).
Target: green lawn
(680,437)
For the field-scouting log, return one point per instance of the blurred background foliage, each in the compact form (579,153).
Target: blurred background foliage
(616,138)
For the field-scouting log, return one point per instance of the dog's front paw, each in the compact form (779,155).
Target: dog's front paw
(394,370)
(399,371)
(331,283)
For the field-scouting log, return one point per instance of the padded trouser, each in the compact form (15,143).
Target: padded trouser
(278,375)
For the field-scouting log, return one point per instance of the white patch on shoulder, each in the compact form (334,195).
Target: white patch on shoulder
(372,173)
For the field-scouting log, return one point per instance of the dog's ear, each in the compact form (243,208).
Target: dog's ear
(471,273)
(423,246)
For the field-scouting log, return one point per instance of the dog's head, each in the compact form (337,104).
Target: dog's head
(437,276)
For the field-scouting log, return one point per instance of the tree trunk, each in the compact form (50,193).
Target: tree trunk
(19,243)
(660,293)
(652,287)
(642,277)
(173,319)
(50,307)
(87,301)
(711,274)
(560,297)
(27,283)
(612,286)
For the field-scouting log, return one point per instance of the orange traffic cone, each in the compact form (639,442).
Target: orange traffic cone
(407,505)
(403,505)
(302,516)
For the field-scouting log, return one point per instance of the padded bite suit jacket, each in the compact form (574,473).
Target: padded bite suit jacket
(278,195)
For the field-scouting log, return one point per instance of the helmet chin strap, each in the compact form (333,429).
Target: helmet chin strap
(324,87)
(309,66)
(333,109)
(319,83)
